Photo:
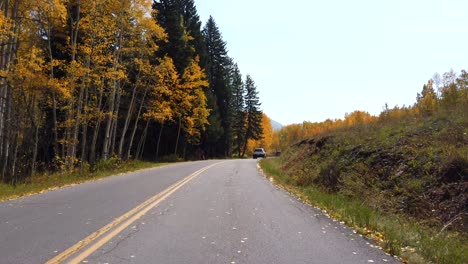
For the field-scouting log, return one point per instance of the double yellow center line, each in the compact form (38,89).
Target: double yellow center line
(87,246)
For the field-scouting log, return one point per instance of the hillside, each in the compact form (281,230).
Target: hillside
(414,167)
(276,125)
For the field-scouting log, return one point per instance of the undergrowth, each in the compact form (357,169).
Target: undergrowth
(398,235)
(404,179)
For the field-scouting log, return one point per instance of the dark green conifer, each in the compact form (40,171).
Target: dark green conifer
(218,75)
(254,128)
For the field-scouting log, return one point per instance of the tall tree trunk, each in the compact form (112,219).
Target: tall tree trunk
(113,136)
(244,148)
(127,122)
(2,118)
(92,156)
(72,135)
(75,26)
(84,134)
(141,144)
(31,111)
(115,120)
(3,103)
(15,155)
(107,138)
(178,136)
(36,145)
(71,152)
(5,157)
(3,130)
(81,104)
(136,123)
(8,54)
(8,118)
(110,113)
(54,96)
(66,137)
(159,140)
(4,63)
(54,121)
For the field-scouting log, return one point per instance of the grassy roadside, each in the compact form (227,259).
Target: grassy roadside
(397,235)
(43,182)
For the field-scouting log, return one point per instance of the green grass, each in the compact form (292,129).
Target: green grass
(397,234)
(102,169)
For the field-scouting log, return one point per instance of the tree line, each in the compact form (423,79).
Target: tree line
(445,94)
(86,81)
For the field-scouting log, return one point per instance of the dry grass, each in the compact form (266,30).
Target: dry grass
(44,182)
(398,235)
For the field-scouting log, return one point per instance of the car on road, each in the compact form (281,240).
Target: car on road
(259,153)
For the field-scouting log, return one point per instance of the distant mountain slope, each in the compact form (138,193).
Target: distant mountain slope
(276,125)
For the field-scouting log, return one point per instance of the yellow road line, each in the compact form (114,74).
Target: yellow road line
(132,215)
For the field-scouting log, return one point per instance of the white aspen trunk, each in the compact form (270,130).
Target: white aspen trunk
(84,135)
(6,137)
(92,156)
(36,145)
(107,137)
(125,127)
(136,124)
(159,140)
(178,135)
(13,162)
(107,134)
(127,121)
(115,120)
(71,153)
(72,136)
(10,53)
(4,62)
(141,144)
(54,96)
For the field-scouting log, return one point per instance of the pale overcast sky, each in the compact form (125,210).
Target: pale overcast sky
(312,60)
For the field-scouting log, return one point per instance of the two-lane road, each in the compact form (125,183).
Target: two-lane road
(195,212)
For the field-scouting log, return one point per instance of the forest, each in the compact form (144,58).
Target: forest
(87,81)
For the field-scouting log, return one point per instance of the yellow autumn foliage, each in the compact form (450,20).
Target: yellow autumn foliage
(161,106)
(266,142)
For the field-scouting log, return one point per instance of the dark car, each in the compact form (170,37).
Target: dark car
(259,153)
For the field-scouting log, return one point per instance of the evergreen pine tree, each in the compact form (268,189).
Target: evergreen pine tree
(254,128)
(218,76)
(238,106)
(182,24)
(192,23)
(177,47)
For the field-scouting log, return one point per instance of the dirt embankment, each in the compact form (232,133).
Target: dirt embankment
(416,168)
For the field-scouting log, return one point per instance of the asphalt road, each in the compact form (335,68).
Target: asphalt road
(226,213)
